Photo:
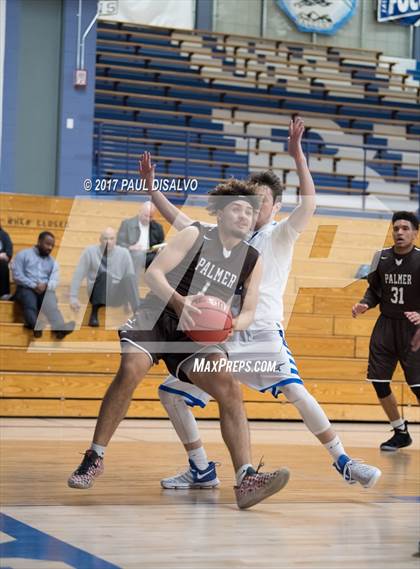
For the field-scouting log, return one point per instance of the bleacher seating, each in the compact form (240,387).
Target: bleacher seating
(193,97)
(68,379)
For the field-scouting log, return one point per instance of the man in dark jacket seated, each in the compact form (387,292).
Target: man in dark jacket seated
(6,253)
(139,235)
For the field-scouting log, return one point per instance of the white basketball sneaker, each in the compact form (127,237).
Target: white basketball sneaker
(357,471)
(193,478)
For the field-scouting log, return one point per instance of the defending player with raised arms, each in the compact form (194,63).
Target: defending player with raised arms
(265,340)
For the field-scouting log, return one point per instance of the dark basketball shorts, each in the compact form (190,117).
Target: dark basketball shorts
(390,344)
(158,336)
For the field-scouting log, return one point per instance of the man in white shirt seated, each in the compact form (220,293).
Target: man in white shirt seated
(109,274)
(139,234)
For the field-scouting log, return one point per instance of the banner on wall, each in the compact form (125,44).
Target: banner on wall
(164,13)
(319,16)
(403,10)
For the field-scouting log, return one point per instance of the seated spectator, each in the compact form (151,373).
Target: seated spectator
(6,252)
(109,273)
(139,234)
(36,275)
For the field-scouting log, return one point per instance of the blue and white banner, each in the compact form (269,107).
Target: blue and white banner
(398,9)
(319,16)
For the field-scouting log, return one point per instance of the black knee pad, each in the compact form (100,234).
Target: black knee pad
(416,390)
(382,388)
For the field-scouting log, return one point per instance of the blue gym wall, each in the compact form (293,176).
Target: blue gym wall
(39,154)
(75,156)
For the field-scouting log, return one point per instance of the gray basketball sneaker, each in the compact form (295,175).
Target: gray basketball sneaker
(257,486)
(85,474)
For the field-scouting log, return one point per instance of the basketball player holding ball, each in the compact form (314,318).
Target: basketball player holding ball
(218,260)
(265,340)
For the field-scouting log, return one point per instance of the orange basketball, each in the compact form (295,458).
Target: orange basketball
(214,323)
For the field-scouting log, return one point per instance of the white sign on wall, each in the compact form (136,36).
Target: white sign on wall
(170,13)
(319,16)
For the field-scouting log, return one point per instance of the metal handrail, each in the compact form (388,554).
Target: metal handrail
(131,133)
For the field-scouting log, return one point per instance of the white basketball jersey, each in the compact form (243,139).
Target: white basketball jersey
(275,242)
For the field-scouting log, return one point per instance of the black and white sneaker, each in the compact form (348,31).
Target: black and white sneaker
(400,439)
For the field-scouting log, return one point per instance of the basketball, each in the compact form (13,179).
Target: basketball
(214,323)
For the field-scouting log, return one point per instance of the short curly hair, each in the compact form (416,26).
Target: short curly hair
(406,216)
(230,191)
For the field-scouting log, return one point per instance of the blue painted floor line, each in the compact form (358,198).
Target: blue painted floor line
(31,543)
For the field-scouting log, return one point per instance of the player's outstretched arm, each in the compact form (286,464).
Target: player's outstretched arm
(302,214)
(170,212)
(163,263)
(252,284)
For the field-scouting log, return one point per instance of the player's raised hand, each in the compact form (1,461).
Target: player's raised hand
(414,317)
(147,170)
(415,342)
(358,308)
(296,130)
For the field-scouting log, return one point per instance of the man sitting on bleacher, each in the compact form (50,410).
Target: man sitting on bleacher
(6,253)
(140,235)
(109,273)
(35,273)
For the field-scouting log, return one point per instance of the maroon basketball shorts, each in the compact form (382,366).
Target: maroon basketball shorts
(390,344)
(157,334)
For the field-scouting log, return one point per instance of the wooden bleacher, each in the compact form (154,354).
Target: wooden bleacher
(222,91)
(236,108)
(252,49)
(68,378)
(184,81)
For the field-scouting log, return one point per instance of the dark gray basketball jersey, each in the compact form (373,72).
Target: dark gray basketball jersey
(394,282)
(209,267)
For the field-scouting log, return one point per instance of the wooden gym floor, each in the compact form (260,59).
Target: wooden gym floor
(128,521)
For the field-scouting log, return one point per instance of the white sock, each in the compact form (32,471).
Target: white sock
(335,448)
(100,450)
(398,424)
(199,456)
(240,473)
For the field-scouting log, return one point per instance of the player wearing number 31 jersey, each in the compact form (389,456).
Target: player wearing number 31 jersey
(394,284)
